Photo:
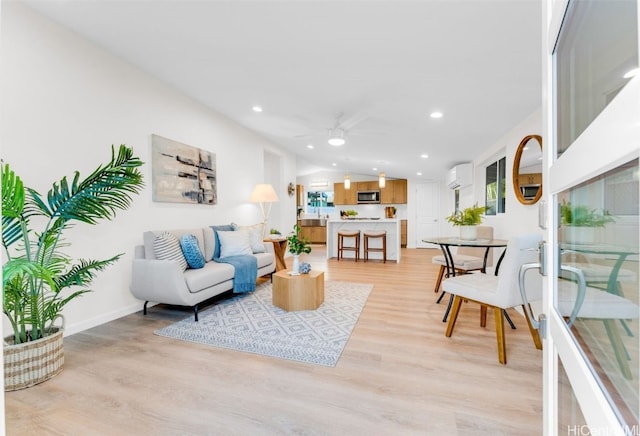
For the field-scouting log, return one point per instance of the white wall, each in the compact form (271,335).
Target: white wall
(65,101)
(519,218)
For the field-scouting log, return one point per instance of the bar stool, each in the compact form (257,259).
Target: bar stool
(348,234)
(374,234)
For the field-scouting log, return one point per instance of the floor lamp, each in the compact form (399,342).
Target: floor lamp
(264,193)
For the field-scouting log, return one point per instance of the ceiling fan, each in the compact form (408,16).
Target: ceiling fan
(337,134)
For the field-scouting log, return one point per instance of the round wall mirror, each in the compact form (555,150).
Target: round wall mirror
(527,170)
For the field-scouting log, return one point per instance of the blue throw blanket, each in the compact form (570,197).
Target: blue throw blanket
(244,279)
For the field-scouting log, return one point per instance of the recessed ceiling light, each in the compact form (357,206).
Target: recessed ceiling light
(424,156)
(418,173)
(630,74)
(436,115)
(257,108)
(374,169)
(333,164)
(310,147)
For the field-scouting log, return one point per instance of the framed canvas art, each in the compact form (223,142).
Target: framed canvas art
(182,173)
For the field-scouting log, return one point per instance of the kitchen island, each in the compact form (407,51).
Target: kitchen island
(391,225)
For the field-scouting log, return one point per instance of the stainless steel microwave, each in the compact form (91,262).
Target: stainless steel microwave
(529,192)
(366,197)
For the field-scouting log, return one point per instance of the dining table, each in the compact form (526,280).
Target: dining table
(447,242)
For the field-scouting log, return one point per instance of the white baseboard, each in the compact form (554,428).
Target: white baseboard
(104,318)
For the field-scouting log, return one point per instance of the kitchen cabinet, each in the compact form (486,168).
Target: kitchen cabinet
(530,179)
(343,196)
(318,235)
(314,234)
(403,233)
(367,186)
(394,192)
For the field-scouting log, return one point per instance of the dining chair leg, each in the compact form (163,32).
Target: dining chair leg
(502,348)
(439,279)
(483,315)
(446,312)
(457,302)
(535,334)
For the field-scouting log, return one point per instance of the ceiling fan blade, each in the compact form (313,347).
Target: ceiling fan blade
(358,132)
(353,121)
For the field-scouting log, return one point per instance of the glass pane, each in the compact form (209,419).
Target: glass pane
(502,185)
(598,45)
(320,202)
(598,236)
(491,196)
(571,421)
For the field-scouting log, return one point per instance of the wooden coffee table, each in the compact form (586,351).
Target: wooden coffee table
(302,292)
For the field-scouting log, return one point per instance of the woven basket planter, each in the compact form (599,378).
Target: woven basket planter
(33,362)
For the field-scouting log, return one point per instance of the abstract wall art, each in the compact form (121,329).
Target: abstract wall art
(182,173)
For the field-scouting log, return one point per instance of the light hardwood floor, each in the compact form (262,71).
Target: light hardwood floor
(398,374)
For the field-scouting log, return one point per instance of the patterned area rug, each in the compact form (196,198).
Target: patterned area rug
(250,323)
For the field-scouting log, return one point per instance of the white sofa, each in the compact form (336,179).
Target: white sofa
(163,281)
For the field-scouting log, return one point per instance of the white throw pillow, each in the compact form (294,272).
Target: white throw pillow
(255,237)
(234,243)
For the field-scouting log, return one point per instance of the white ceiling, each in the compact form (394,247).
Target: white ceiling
(386,65)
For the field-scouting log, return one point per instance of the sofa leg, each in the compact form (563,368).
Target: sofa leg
(195,312)
(144,308)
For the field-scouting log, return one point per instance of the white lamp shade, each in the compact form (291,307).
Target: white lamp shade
(263,193)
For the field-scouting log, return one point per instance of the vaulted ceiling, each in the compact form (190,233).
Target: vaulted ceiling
(376,68)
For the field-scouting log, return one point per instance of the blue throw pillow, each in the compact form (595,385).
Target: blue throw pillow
(191,251)
(216,241)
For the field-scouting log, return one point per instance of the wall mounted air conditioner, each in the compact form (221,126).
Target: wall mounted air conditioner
(460,176)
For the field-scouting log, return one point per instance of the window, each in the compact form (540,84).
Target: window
(456,195)
(320,202)
(495,190)
(599,45)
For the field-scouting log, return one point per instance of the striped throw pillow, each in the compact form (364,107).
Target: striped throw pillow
(167,247)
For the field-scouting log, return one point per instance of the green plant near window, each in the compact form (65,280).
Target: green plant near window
(583,216)
(467,217)
(297,244)
(37,271)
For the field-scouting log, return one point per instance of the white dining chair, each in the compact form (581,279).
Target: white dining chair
(499,292)
(466,259)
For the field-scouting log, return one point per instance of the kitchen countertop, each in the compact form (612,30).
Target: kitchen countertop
(372,219)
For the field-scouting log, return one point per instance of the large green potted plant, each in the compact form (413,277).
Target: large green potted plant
(580,224)
(297,245)
(468,219)
(37,273)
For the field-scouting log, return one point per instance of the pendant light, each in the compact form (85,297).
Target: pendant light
(381,180)
(347,182)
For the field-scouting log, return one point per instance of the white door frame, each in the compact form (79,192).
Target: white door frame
(587,157)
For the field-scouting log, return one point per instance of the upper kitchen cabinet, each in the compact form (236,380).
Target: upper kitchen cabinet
(367,186)
(343,196)
(394,192)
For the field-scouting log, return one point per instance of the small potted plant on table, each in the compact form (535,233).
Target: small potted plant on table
(468,219)
(297,246)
